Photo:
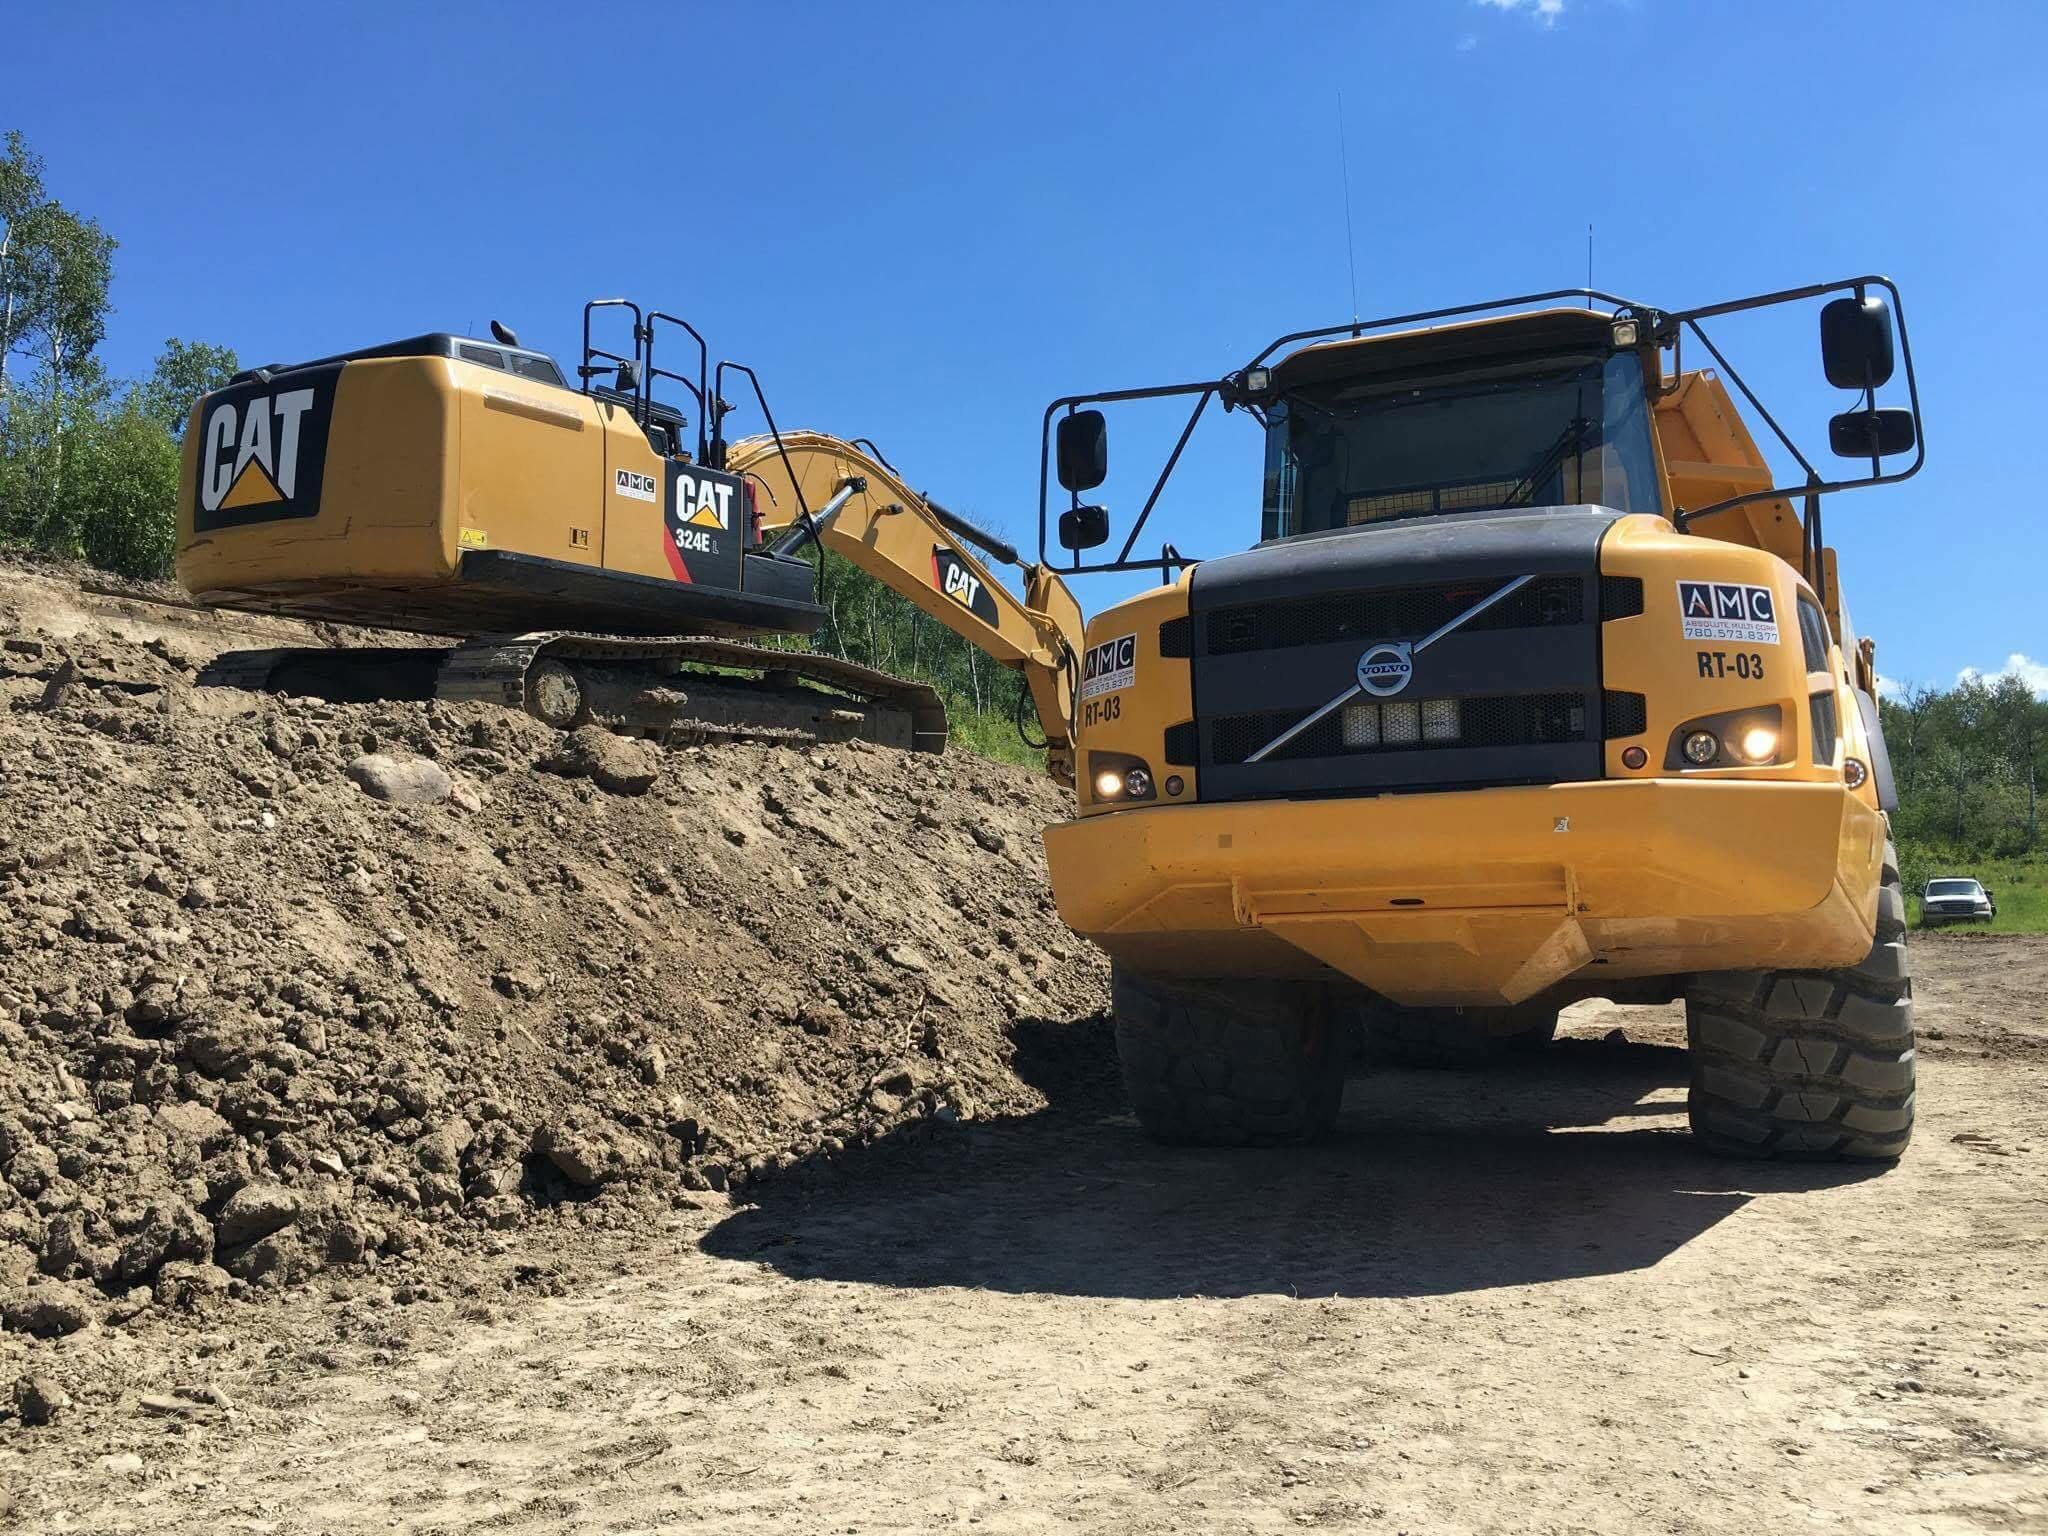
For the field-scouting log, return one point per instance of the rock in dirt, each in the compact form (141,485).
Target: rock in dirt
(589,1151)
(611,761)
(179,1284)
(401,781)
(254,1212)
(39,1399)
(49,1311)
(191,1121)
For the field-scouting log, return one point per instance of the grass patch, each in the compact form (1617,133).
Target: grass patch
(989,734)
(2019,885)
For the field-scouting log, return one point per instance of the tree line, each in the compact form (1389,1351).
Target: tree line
(1969,762)
(88,462)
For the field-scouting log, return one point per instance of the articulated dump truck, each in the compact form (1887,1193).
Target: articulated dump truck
(1536,688)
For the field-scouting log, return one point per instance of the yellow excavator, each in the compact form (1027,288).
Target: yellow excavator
(594,555)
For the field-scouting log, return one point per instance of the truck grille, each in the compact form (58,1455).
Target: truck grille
(1368,616)
(1407,725)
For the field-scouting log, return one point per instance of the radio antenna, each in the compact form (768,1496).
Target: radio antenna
(1350,242)
(1589,264)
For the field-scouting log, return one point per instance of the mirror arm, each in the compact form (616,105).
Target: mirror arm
(1755,404)
(1159,485)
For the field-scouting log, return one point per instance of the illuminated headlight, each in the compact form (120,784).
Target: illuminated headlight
(1440,720)
(1702,747)
(1401,724)
(1361,725)
(1759,744)
(1625,333)
(1118,778)
(1854,772)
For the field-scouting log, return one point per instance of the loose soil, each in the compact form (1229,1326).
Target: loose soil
(968,1296)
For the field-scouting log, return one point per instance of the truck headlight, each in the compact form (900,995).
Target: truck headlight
(1118,778)
(1740,738)
(1759,744)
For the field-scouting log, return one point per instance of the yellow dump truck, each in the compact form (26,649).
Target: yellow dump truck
(1537,687)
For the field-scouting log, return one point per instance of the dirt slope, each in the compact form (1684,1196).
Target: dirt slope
(1519,1303)
(259,1023)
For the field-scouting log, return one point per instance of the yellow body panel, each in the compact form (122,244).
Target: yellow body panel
(1518,889)
(426,457)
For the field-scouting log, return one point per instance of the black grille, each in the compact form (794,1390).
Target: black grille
(1398,725)
(1621,597)
(1405,611)
(1182,745)
(1824,728)
(1624,714)
(1176,637)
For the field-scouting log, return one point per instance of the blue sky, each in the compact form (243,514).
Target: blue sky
(922,222)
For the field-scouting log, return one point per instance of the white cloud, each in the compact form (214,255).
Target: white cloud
(2033,673)
(1545,11)
(1890,687)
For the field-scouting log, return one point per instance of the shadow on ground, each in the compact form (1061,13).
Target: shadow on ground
(1575,1162)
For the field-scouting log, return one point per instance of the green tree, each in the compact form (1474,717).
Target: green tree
(184,371)
(21,193)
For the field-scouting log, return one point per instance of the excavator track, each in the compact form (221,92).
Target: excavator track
(652,687)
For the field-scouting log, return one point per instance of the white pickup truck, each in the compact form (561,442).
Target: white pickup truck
(1954,899)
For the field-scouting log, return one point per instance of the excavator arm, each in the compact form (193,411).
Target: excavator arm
(813,486)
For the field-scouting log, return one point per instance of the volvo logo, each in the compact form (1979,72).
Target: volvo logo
(1385,669)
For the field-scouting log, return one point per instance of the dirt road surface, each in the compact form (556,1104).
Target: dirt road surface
(1513,1303)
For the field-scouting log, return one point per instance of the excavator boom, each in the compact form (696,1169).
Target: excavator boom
(853,502)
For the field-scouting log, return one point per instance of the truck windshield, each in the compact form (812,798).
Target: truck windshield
(1951,887)
(1554,432)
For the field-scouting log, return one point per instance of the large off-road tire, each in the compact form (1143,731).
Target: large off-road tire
(1227,1064)
(1808,1063)
(1455,1039)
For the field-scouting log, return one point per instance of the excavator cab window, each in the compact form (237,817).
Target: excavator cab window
(1551,431)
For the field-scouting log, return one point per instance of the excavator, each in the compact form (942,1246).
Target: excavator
(1536,685)
(593,554)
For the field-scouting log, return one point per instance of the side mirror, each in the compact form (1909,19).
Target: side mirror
(1871,434)
(1083,454)
(628,382)
(1084,527)
(1856,342)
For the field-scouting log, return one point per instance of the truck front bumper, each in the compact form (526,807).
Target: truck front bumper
(1482,897)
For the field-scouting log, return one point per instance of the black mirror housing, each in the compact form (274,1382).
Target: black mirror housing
(1871,434)
(1856,342)
(1084,527)
(1082,450)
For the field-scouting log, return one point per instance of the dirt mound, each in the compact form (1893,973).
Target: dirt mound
(289,986)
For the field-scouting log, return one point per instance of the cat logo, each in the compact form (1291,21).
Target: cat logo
(262,452)
(704,503)
(952,576)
